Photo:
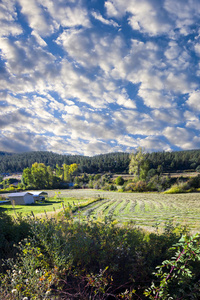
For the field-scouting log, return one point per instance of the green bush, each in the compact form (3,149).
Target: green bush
(181,187)
(83,260)
(119,180)
(11,232)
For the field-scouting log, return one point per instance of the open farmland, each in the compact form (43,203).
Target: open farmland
(143,209)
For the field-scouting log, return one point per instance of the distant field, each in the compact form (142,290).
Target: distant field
(146,209)
(143,209)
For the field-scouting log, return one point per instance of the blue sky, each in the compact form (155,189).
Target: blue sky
(91,77)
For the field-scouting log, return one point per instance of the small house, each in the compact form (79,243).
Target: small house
(39,195)
(21,198)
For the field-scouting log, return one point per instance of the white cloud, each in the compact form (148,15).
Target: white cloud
(146,16)
(100,18)
(197,48)
(194,100)
(192,120)
(70,15)
(154,99)
(173,51)
(169,116)
(38,38)
(8,17)
(152,143)
(70,84)
(182,137)
(36,17)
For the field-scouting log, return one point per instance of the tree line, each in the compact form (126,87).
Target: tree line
(112,162)
(117,162)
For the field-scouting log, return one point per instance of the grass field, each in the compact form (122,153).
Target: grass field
(142,209)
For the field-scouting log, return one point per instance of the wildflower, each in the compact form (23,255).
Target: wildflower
(14,291)
(48,292)
(20,271)
(26,280)
(37,271)
(25,298)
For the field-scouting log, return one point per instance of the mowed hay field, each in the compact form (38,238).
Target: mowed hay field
(147,210)
(143,209)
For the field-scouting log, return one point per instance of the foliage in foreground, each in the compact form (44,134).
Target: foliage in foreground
(64,259)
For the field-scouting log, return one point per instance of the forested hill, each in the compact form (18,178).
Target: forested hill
(177,160)
(114,162)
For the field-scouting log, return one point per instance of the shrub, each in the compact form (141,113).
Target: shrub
(140,186)
(130,187)
(112,187)
(178,275)
(181,187)
(11,232)
(76,186)
(66,259)
(119,180)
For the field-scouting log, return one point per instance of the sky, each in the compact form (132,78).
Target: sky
(90,77)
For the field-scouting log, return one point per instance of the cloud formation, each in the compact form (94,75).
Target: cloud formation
(82,78)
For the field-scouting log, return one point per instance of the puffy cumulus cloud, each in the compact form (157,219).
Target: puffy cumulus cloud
(147,16)
(138,60)
(92,50)
(28,67)
(23,57)
(179,83)
(194,100)
(73,110)
(185,13)
(14,118)
(192,120)
(97,147)
(21,141)
(134,123)
(100,18)
(127,141)
(70,15)
(78,45)
(182,137)
(168,116)
(92,126)
(154,99)
(8,19)
(161,78)
(197,48)
(153,143)
(38,39)
(62,145)
(75,80)
(36,18)
(173,51)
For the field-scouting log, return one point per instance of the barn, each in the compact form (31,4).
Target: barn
(21,198)
(39,195)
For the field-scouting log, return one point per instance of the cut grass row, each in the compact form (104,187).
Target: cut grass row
(144,209)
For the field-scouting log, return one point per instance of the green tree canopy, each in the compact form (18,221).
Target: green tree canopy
(139,164)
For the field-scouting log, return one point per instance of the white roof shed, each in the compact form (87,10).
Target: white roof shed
(21,198)
(39,195)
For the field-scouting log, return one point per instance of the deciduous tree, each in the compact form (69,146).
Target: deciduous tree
(139,164)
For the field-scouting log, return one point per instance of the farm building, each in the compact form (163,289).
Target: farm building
(21,198)
(39,195)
